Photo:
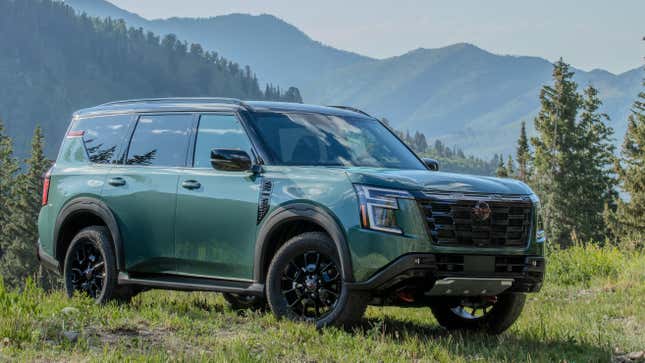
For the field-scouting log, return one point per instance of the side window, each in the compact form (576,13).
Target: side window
(160,140)
(218,132)
(103,136)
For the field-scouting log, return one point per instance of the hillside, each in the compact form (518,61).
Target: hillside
(279,52)
(461,94)
(586,312)
(53,62)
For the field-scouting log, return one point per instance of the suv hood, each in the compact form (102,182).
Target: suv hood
(435,180)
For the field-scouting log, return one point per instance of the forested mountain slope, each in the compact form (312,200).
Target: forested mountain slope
(53,62)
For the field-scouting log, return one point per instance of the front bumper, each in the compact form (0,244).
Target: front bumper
(525,272)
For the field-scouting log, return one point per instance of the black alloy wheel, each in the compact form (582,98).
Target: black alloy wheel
(87,269)
(311,284)
(90,266)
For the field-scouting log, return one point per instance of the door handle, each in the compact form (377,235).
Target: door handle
(117,182)
(191,184)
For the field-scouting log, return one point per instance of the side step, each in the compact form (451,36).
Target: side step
(190,283)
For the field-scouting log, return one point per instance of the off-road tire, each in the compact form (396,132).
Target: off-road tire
(349,306)
(503,314)
(99,238)
(245,302)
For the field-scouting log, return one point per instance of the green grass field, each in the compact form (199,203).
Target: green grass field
(591,309)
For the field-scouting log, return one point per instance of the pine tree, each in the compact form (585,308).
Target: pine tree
(510,168)
(554,177)
(501,171)
(19,260)
(628,221)
(594,158)
(8,169)
(523,155)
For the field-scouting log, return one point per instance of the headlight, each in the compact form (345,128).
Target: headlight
(539,232)
(378,207)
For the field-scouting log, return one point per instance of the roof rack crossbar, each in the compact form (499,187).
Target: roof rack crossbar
(233,101)
(349,108)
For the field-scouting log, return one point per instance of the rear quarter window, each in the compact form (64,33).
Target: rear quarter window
(103,136)
(160,140)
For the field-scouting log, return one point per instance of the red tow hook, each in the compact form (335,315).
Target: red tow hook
(405,296)
(490,299)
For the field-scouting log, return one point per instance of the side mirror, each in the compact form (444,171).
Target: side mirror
(230,160)
(432,164)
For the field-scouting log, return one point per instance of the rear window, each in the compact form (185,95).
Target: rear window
(160,140)
(103,136)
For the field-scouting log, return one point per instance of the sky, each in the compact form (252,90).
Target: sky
(587,34)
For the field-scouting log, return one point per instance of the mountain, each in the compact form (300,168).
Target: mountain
(53,62)
(461,94)
(464,95)
(279,52)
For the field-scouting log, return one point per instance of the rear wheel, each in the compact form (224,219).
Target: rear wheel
(90,266)
(305,283)
(492,315)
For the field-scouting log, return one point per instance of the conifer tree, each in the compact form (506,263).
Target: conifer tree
(628,221)
(594,158)
(523,155)
(510,168)
(554,178)
(501,171)
(8,169)
(19,260)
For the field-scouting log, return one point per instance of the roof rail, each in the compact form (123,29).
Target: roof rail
(349,108)
(233,101)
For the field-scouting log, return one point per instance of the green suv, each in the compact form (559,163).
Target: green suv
(314,211)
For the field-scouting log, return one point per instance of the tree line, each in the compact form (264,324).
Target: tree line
(452,159)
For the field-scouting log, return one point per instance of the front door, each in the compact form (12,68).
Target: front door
(216,220)
(141,192)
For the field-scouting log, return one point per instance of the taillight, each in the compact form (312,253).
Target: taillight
(46,182)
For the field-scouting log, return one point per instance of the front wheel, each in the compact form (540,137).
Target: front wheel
(304,283)
(492,314)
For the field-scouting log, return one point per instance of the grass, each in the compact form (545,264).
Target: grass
(582,314)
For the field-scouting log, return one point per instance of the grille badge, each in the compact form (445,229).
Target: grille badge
(481,211)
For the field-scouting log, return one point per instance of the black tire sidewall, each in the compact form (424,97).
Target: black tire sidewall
(504,313)
(296,246)
(99,237)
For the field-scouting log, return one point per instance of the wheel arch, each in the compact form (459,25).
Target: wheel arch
(309,216)
(80,213)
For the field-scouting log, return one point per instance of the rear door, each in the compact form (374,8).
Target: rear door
(141,191)
(217,210)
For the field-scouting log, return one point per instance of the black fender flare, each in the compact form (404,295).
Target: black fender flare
(302,212)
(97,208)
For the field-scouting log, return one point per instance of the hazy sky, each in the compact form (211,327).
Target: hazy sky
(588,34)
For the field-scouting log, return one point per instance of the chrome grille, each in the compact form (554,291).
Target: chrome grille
(452,220)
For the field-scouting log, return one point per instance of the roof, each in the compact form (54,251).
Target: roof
(210,104)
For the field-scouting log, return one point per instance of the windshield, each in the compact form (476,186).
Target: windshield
(316,139)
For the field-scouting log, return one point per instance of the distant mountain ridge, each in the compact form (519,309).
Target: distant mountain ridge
(461,94)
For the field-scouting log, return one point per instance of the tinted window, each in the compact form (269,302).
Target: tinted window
(218,132)
(317,139)
(103,136)
(160,140)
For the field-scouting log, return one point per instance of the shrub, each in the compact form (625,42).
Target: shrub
(581,263)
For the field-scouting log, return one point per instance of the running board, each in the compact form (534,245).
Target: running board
(190,283)
(469,286)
